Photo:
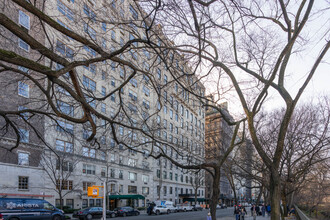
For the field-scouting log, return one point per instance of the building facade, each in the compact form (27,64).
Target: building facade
(218,135)
(57,161)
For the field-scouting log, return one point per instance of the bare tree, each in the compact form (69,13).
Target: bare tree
(235,41)
(251,44)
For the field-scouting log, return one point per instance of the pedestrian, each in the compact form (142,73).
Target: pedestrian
(263,210)
(243,212)
(292,212)
(237,213)
(209,217)
(268,209)
(258,210)
(254,212)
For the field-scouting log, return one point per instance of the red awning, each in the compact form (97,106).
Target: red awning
(25,195)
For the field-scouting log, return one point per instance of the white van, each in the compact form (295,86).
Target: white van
(168,204)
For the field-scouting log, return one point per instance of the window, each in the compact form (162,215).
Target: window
(112,173)
(64,127)
(23,89)
(121,174)
(146,104)
(64,10)
(145,178)
(113,35)
(131,37)
(64,50)
(171,175)
(90,51)
(64,184)
(64,165)
(90,31)
(165,96)
(64,146)
(88,152)
(164,174)
(24,20)
(69,202)
(132,95)
(159,73)
(23,182)
(132,176)
(145,190)
(165,79)
(121,72)
(104,91)
(65,108)
(133,82)
(24,135)
(133,12)
(85,202)
(176,177)
(87,184)
(22,44)
(89,84)
(131,162)
(158,174)
(102,155)
(165,123)
(132,189)
(103,75)
(146,91)
(103,108)
(25,115)
(23,158)
(104,26)
(23,69)
(89,169)
(171,113)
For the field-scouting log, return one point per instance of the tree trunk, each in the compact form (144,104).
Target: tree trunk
(275,196)
(196,196)
(259,195)
(215,192)
(61,200)
(284,203)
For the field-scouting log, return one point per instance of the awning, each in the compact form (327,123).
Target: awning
(193,199)
(126,197)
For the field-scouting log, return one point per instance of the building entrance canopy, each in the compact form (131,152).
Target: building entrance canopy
(193,199)
(137,196)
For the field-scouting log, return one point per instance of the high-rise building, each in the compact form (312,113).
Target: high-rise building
(218,135)
(149,111)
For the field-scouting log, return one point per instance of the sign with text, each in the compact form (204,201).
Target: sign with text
(93,191)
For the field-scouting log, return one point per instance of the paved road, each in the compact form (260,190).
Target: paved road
(197,215)
(222,214)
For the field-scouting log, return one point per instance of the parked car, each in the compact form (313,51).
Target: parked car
(92,213)
(160,209)
(126,211)
(168,204)
(172,208)
(184,207)
(23,208)
(197,208)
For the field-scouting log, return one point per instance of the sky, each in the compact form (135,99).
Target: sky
(300,64)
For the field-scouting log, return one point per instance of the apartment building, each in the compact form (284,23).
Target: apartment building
(218,135)
(149,112)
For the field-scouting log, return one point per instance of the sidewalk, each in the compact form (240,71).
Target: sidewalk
(248,217)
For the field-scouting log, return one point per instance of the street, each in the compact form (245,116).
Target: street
(195,215)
